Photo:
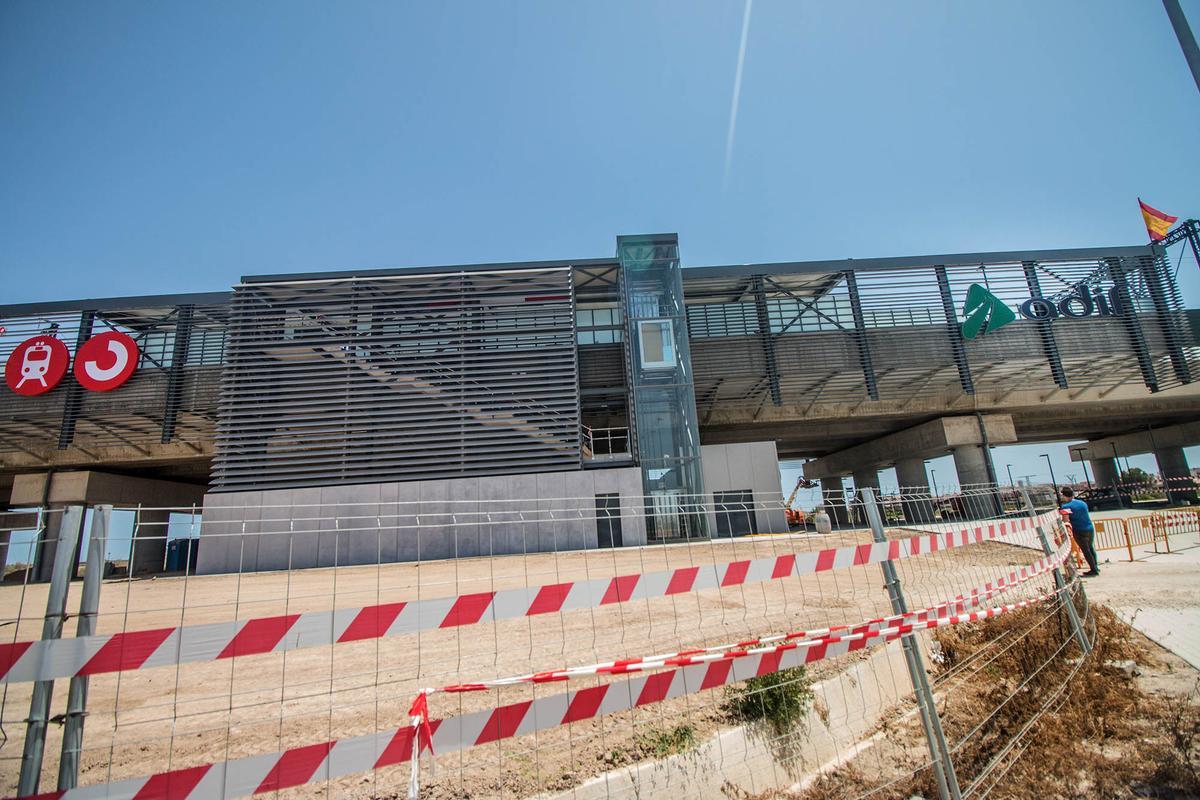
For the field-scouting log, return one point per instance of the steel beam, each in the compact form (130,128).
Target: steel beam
(1158,283)
(179,353)
(860,336)
(74,398)
(767,339)
(953,334)
(1045,331)
(1133,327)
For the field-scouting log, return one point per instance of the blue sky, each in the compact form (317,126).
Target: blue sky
(170,146)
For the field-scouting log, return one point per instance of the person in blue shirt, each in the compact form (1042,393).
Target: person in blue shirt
(1082,529)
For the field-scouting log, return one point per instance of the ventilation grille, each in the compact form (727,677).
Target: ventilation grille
(398,378)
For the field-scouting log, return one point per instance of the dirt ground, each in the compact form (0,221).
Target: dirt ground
(144,722)
(1127,724)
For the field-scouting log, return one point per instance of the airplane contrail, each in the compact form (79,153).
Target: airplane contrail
(737,91)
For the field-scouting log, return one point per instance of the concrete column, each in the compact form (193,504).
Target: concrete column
(44,550)
(863,478)
(970,463)
(1173,465)
(866,477)
(1105,471)
(14,521)
(914,486)
(833,499)
(149,552)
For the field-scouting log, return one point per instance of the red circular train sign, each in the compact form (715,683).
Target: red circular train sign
(105,361)
(36,365)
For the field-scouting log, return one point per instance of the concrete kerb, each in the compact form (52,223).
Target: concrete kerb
(749,758)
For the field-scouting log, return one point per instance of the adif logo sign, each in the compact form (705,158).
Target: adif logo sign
(984,312)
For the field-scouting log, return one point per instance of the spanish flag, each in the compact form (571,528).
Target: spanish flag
(1157,223)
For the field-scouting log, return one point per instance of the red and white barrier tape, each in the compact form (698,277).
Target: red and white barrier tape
(133,650)
(338,758)
(957,605)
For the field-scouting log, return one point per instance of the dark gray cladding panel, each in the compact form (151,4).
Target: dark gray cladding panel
(399,377)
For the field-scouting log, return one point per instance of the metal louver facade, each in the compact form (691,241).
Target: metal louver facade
(368,378)
(889,329)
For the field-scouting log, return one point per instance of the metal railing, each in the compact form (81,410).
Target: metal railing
(605,444)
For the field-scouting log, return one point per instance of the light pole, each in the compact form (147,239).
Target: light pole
(1117,483)
(1083,461)
(1053,480)
(1011,482)
(933,476)
(1187,42)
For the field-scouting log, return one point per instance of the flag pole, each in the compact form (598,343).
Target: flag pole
(1187,42)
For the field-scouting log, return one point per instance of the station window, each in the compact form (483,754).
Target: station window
(657,342)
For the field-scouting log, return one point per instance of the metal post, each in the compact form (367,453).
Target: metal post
(943,766)
(1117,484)
(1083,461)
(89,605)
(1059,582)
(56,607)
(1187,42)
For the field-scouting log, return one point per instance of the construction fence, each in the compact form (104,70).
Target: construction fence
(664,669)
(1146,530)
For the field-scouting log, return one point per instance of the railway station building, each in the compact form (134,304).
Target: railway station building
(590,381)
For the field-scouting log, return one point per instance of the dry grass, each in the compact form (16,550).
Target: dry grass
(1119,728)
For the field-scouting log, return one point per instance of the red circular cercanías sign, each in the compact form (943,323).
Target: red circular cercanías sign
(105,361)
(36,365)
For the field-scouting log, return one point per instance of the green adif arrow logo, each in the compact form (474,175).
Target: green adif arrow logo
(984,312)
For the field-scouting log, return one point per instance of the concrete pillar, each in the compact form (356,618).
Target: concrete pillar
(149,551)
(1177,476)
(44,550)
(914,487)
(866,477)
(1105,472)
(863,478)
(833,497)
(970,463)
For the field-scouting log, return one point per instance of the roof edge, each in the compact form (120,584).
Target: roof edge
(943,260)
(117,303)
(387,272)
